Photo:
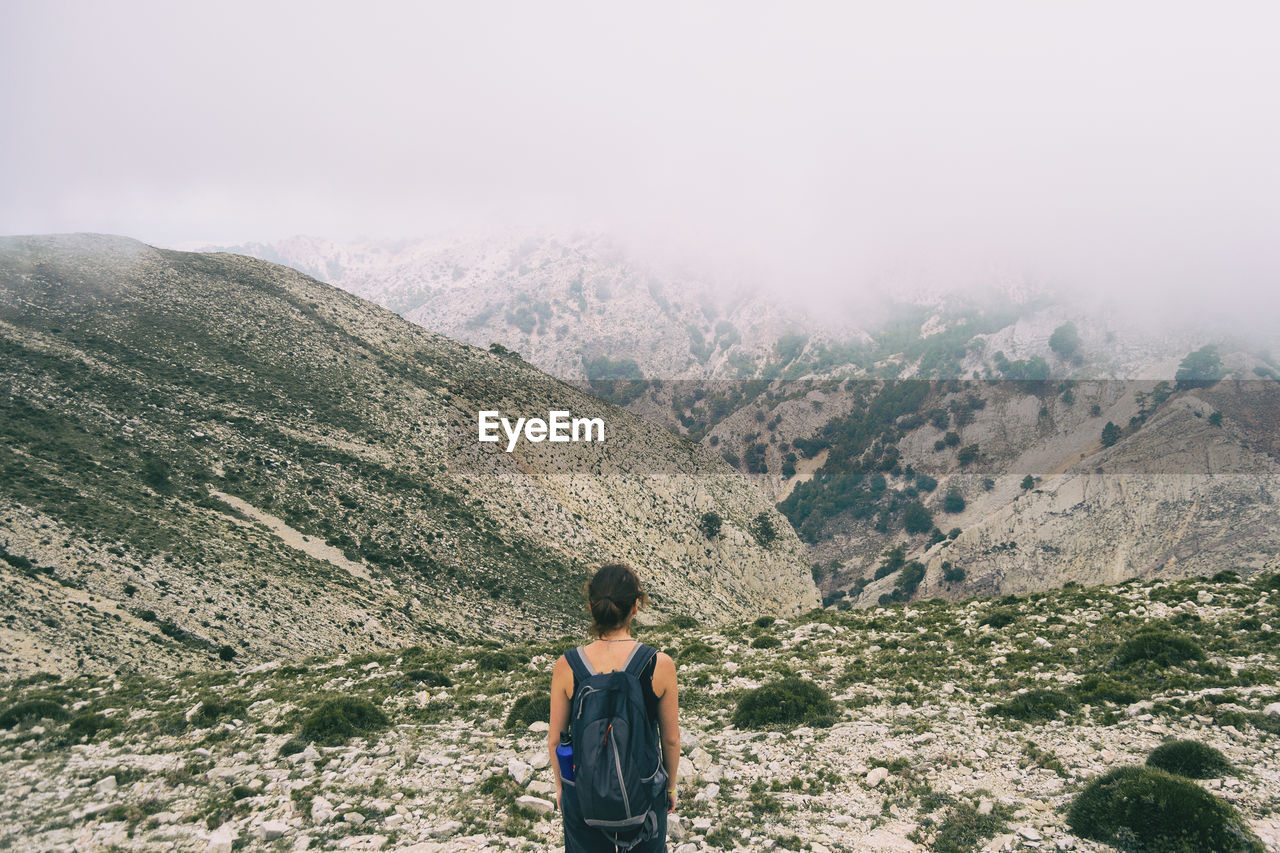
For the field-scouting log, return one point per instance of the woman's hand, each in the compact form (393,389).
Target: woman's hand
(671,801)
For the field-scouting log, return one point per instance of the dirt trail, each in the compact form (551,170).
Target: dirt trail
(310,546)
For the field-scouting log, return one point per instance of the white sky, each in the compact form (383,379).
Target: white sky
(1106,145)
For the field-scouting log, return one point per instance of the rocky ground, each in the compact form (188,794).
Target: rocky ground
(934,742)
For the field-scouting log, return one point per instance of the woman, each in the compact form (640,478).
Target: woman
(614,596)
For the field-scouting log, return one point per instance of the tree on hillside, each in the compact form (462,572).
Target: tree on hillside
(953,502)
(1065,341)
(1110,434)
(916,518)
(710,524)
(1028,483)
(1202,367)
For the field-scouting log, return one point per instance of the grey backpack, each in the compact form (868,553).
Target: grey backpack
(615,750)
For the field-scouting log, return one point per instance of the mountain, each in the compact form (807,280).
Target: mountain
(578,305)
(934,726)
(941,407)
(211,454)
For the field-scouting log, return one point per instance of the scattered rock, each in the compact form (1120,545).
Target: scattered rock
(536,804)
(876,776)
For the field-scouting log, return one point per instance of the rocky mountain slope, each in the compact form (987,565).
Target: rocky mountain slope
(941,408)
(935,726)
(577,305)
(214,457)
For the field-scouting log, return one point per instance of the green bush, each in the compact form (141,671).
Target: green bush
(292,746)
(429,677)
(698,652)
(89,725)
(710,524)
(1189,758)
(1035,705)
(336,720)
(213,709)
(31,710)
(1163,648)
(1095,689)
(764,621)
(1137,809)
(789,701)
(683,622)
(766,641)
(999,618)
(529,708)
(496,662)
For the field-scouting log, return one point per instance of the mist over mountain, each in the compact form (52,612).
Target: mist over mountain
(209,454)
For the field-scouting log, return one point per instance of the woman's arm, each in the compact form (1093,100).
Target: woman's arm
(561,688)
(664,687)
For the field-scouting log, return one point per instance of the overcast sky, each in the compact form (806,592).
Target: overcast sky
(1101,144)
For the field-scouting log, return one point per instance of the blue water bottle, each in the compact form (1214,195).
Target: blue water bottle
(564,754)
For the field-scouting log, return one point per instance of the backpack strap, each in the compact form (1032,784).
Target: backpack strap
(582,668)
(639,659)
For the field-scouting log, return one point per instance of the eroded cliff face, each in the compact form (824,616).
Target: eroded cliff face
(211,454)
(1182,495)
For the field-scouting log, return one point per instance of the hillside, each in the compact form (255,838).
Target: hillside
(210,455)
(941,407)
(952,727)
(578,305)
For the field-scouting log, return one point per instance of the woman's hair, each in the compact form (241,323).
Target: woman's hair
(611,594)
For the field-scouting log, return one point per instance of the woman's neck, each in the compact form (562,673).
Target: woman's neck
(617,636)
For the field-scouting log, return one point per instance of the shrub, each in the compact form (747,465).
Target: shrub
(429,677)
(964,828)
(212,709)
(496,662)
(31,711)
(764,621)
(1141,809)
(1189,758)
(968,453)
(762,530)
(710,524)
(766,641)
(1065,340)
(952,574)
(1028,483)
(226,653)
(999,618)
(336,720)
(916,518)
(683,622)
(529,708)
(1226,576)
(292,746)
(1110,434)
(789,701)
(1035,705)
(698,652)
(953,502)
(1162,648)
(87,726)
(1094,689)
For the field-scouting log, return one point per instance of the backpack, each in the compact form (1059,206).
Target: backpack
(614,748)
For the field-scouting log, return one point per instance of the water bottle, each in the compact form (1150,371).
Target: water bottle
(564,754)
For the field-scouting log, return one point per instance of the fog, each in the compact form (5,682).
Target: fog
(1110,149)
